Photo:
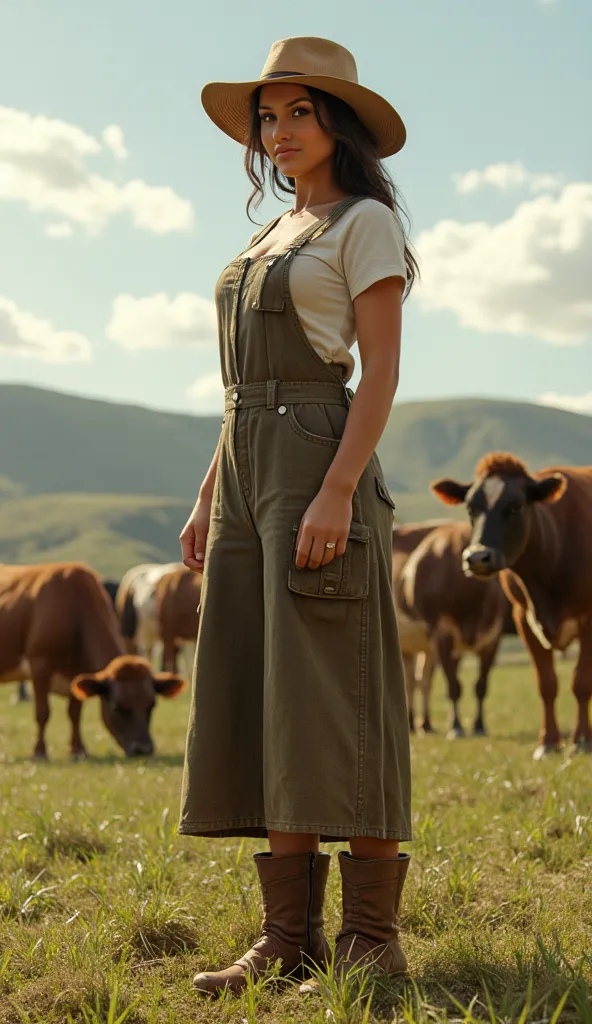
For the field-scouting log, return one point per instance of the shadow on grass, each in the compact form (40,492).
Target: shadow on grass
(486,987)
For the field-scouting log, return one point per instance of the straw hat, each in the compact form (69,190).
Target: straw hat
(310,61)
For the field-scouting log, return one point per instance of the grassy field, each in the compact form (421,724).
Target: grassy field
(105,913)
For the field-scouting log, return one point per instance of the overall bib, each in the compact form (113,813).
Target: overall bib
(298,719)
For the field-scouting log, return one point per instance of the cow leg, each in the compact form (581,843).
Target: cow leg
(409,669)
(77,749)
(170,652)
(41,686)
(188,657)
(486,659)
(23,692)
(425,685)
(450,662)
(542,659)
(582,690)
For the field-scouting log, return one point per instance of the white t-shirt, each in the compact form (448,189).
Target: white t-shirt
(364,245)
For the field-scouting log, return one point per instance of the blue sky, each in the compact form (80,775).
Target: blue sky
(120,201)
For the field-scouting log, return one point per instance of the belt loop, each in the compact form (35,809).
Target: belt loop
(272,394)
(348,393)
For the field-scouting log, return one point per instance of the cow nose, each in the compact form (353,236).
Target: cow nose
(138,749)
(479,560)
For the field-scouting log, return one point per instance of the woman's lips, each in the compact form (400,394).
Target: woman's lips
(286,152)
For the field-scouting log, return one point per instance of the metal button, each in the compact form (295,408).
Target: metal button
(328,590)
(235,396)
(282,409)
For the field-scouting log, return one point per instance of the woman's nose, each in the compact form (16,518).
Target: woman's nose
(281,131)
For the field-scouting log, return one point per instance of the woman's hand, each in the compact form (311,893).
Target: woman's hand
(195,534)
(327,518)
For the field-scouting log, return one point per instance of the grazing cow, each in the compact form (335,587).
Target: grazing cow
(58,627)
(23,693)
(535,530)
(418,651)
(456,615)
(135,605)
(177,598)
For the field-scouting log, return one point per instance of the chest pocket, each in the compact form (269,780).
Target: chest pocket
(269,285)
(347,576)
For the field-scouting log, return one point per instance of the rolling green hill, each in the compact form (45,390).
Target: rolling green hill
(109,532)
(112,484)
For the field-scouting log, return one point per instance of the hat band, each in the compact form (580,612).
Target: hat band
(283,74)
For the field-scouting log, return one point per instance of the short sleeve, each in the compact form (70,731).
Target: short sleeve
(372,247)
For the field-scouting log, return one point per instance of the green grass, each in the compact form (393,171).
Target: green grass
(105,913)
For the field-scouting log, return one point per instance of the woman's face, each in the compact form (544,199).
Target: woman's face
(290,132)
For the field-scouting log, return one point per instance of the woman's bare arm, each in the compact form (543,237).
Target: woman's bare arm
(195,532)
(378,324)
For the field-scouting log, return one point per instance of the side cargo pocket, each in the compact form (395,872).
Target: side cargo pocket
(346,576)
(384,492)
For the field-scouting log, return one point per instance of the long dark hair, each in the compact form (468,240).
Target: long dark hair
(357,168)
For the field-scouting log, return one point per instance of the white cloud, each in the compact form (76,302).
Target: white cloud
(23,334)
(43,163)
(59,230)
(208,388)
(158,321)
(112,136)
(529,274)
(507,176)
(573,403)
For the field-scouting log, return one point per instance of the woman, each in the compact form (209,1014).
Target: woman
(298,725)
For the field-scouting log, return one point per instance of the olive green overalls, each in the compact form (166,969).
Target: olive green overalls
(298,719)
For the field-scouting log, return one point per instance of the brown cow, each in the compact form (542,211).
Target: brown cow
(536,531)
(458,615)
(177,597)
(58,627)
(417,649)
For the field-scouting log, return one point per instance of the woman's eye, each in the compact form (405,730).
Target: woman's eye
(301,110)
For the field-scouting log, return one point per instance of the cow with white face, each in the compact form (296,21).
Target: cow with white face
(535,530)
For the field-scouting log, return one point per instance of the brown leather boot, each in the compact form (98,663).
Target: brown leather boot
(293,890)
(371,893)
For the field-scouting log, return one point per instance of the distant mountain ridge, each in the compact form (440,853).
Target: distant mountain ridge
(123,478)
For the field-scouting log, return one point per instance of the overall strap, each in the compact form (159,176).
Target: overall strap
(315,230)
(265,230)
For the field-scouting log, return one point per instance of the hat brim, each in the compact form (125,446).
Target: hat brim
(228,104)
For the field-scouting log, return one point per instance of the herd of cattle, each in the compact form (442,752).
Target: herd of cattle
(521,563)
(73,635)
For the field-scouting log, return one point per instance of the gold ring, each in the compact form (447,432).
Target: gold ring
(330,544)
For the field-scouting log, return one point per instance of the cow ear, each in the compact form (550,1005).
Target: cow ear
(89,686)
(450,491)
(167,684)
(550,488)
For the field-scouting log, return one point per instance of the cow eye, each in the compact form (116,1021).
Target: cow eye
(124,712)
(514,508)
